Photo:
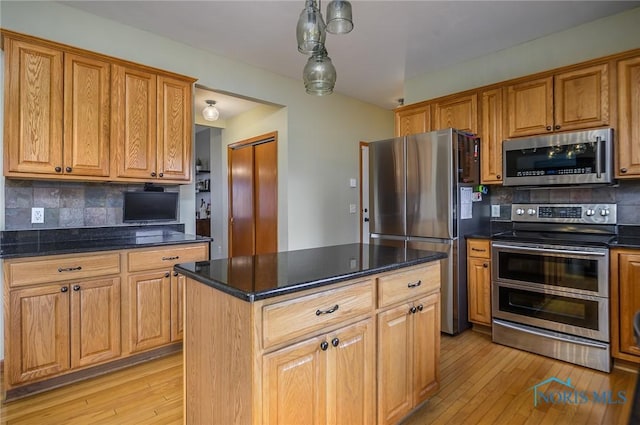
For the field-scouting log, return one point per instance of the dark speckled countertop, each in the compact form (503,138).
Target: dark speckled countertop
(252,278)
(32,243)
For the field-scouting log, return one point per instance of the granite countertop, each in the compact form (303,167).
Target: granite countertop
(33,243)
(252,278)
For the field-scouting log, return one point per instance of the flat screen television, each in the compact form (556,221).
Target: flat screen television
(150,206)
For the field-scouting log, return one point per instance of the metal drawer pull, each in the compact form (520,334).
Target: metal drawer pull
(331,310)
(69,269)
(414,284)
(478,250)
(170,258)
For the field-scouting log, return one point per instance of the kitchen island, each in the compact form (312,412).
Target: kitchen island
(343,334)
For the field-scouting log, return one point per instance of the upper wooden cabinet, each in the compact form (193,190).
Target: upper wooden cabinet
(460,112)
(413,120)
(77,115)
(628,148)
(151,120)
(491,135)
(566,101)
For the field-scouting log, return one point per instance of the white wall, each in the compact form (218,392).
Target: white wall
(599,38)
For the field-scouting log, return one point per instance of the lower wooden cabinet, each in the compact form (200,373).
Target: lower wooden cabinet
(326,379)
(57,327)
(625,302)
(314,357)
(479,281)
(409,347)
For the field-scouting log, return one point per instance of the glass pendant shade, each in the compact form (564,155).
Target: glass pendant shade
(210,112)
(310,31)
(319,74)
(339,19)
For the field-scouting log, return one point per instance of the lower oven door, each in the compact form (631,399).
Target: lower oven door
(569,313)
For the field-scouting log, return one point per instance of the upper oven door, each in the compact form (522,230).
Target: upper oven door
(579,270)
(563,158)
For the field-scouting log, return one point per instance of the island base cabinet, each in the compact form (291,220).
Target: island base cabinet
(409,347)
(325,380)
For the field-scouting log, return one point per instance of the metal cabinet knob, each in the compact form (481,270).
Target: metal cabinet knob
(324,345)
(557,127)
(153,174)
(548,128)
(58,169)
(623,170)
(167,274)
(64,289)
(335,342)
(412,310)
(76,288)
(485,265)
(68,169)
(161,175)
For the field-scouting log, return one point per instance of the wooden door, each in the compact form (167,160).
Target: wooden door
(351,375)
(177,306)
(133,122)
(38,339)
(530,107)
(33,105)
(149,315)
(479,284)
(87,103)
(175,129)
(625,292)
(241,205)
(628,131)
(460,113)
(426,348)
(581,98)
(294,384)
(492,136)
(253,196)
(395,384)
(413,120)
(95,321)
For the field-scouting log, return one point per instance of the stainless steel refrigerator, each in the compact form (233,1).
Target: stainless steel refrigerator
(422,196)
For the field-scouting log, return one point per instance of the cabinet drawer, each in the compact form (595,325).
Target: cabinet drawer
(290,319)
(408,284)
(61,268)
(166,257)
(479,248)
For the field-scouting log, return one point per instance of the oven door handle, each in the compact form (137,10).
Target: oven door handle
(555,251)
(550,336)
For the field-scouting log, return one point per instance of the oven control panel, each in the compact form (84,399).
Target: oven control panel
(565,213)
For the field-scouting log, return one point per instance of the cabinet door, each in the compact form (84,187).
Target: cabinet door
(33,105)
(628,131)
(294,384)
(492,136)
(148,301)
(627,301)
(530,107)
(413,120)
(38,339)
(133,122)
(177,306)
(460,113)
(95,321)
(351,375)
(581,98)
(86,115)
(426,348)
(174,129)
(395,384)
(478,282)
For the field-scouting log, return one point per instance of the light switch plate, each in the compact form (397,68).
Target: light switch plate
(495,210)
(352,182)
(37,215)
(352,208)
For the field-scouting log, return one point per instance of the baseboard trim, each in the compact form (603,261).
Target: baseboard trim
(80,375)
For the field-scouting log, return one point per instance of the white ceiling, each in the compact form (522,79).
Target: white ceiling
(392,40)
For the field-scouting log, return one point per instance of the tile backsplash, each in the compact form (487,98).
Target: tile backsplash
(626,195)
(66,204)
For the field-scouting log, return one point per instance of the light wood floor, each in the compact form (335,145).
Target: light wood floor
(482,383)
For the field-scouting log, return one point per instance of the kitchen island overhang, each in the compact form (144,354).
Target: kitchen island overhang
(311,335)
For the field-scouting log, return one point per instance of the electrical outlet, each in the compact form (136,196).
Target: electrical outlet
(37,215)
(495,210)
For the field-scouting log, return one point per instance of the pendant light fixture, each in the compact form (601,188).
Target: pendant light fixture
(319,74)
(210,112)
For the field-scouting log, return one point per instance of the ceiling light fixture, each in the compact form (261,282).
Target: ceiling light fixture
(319,74)
(210,112)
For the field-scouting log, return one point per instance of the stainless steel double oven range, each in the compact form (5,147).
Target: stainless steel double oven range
(550,282)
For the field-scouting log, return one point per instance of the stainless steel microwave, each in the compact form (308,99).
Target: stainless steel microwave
(580,157)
